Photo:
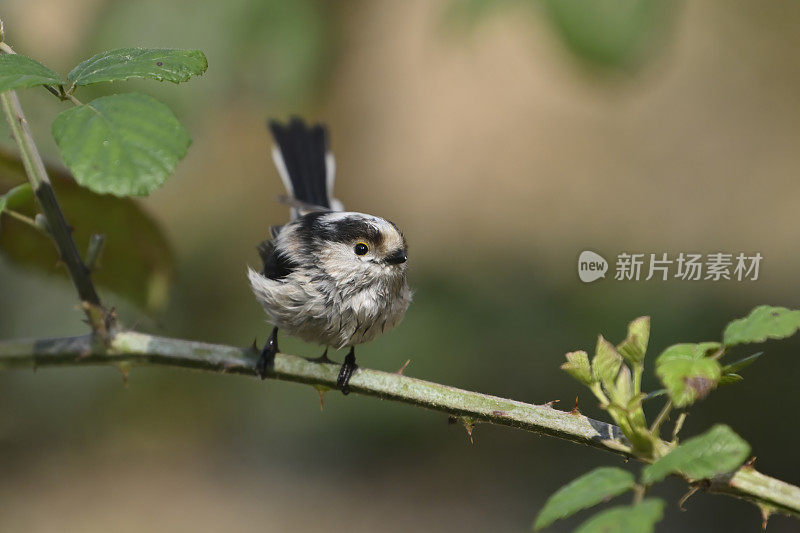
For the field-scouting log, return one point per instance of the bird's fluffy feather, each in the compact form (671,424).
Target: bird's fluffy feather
(328,296)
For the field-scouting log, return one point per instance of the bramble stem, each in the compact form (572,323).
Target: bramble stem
(57,224)
(141,349)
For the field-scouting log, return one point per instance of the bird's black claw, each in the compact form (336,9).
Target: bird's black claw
(348,369)
(266,361)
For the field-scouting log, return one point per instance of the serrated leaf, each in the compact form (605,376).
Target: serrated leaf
(578,367)
(638,518)
(634,347)
(19,195)
(764,322)
(717,451)
(687,373)
(599,485)
(162,64)
(18,71)
(125,144)
(137,261)
(606,362)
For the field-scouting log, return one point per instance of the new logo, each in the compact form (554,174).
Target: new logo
(591,266)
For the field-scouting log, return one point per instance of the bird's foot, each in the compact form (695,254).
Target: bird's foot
(346,372)
(266,361)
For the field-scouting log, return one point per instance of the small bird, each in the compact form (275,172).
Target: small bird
(329,276)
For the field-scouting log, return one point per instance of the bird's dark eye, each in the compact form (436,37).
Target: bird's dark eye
(361,248)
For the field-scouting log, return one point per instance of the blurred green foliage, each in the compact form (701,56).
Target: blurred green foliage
(279,50)
(617,34)
(607,35)
(136,262)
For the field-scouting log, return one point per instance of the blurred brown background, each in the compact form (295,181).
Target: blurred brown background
(504,137)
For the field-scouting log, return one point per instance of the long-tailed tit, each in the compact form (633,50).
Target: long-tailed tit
(329,276)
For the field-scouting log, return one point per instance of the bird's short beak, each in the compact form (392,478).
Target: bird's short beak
(397,257)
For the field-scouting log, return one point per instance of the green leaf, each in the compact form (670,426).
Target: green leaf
(137,261)
(125,144)
(638,518)
(763,322)
(599,485)
(741,363)
(730,379)
(729,372)
(634,347)
(19,195)
(606,363)
(687,373)
(160,64)
(17,72)
(578,367)
(717,451)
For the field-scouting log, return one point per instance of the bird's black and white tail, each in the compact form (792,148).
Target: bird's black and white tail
(305,164)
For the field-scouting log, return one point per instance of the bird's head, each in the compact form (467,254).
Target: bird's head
(353,245)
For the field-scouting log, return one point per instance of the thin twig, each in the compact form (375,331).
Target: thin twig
(22,218)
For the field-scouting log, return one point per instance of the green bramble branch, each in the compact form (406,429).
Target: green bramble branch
(128,144)
(725,475)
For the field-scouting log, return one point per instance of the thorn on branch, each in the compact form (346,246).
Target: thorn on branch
(575,410)
(254,347)
(469,429)
(403,368)
(766,512)
(468,423)
(321,390)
